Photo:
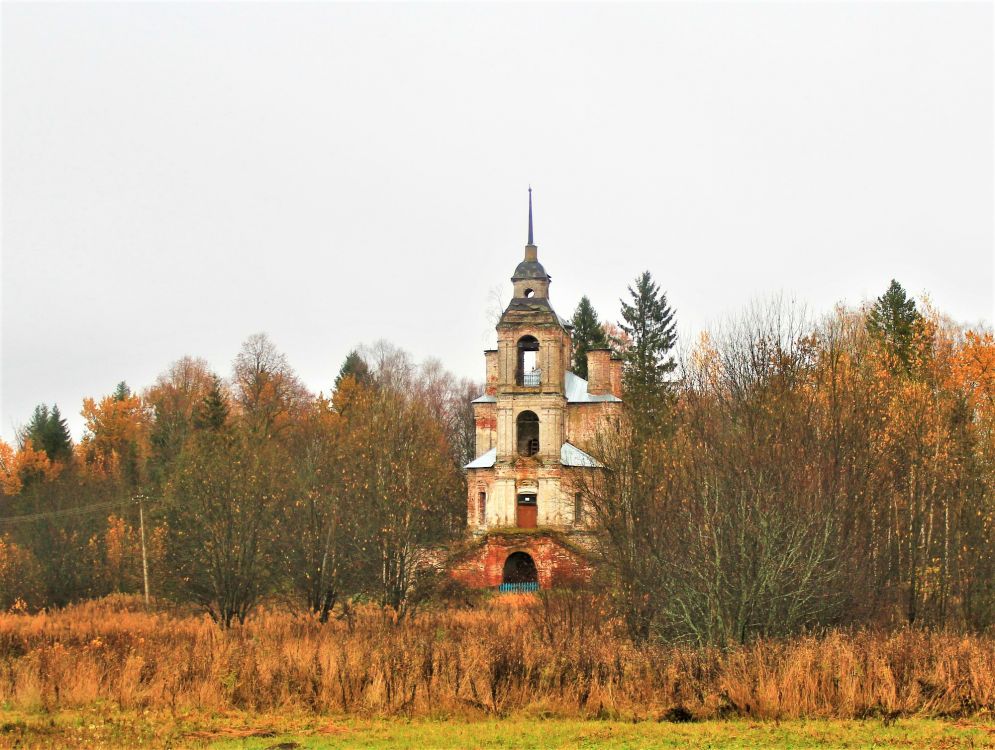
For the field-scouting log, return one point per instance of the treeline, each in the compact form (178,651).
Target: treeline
(783,473)
(248,487)
(806,473)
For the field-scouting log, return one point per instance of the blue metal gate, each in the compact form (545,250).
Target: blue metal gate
(519,588)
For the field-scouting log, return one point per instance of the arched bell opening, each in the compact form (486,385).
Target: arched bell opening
(528,371)
(527,433)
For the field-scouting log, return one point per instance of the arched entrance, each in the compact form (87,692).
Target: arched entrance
(520,573)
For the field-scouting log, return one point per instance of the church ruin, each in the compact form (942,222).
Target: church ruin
(524,511)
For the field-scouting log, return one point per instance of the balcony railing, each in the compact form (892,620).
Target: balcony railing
(519,588)
(532,378)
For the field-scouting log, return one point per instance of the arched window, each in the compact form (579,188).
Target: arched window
(528,372)
(528,433)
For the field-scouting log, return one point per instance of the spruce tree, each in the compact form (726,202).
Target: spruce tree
(47,431)
(121,392)
(36,430)
(893,320)
(587,335)
(649,323)
(647,364)
(60,441)
(354,366)
(212,412)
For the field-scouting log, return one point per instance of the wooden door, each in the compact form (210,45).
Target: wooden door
(527,512)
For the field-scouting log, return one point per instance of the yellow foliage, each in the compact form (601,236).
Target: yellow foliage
(10,482)
(25,465)
(117,435)
(20,576)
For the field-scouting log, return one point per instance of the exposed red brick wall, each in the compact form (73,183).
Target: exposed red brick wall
(486,421)
(491,361)
(615,375)
(599,371)
(485,425)
(557,564)
(584,421)
(478,480)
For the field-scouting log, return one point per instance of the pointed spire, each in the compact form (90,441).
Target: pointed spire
(530,216)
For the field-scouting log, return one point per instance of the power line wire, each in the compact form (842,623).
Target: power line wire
(63,512)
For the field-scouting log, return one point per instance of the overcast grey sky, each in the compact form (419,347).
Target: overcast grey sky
(177,176)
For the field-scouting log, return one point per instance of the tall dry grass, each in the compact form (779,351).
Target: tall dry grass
(558,656)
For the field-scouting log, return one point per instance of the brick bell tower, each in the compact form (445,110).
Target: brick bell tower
(525,517)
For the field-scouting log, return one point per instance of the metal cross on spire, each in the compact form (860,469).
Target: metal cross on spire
(530,216)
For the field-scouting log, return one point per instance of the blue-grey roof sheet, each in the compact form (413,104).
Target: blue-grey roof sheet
(483,461)
(575,388)
(576,391)
(571,455)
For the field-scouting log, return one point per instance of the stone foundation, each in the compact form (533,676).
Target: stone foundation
(560,558)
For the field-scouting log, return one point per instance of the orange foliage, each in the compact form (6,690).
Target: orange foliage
(117,436)
(26,465)
(10,483)
(974,368)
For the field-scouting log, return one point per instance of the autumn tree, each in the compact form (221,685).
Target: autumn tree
(116,553)
(265,387)
(222,503)
(319,518)
(56,531)
(623,503)
(588,334)
(10,482)
(973,562)
(618,340)
(20,576)
(725,528)
(23,467)
(172,401)
(400,476)
(927,452)
(449,401)
(447,397)
(116,437)
(51,497)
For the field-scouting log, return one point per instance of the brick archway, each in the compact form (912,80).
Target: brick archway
(556,563)
(519,567)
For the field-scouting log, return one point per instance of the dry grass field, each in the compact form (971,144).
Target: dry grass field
(514,672)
